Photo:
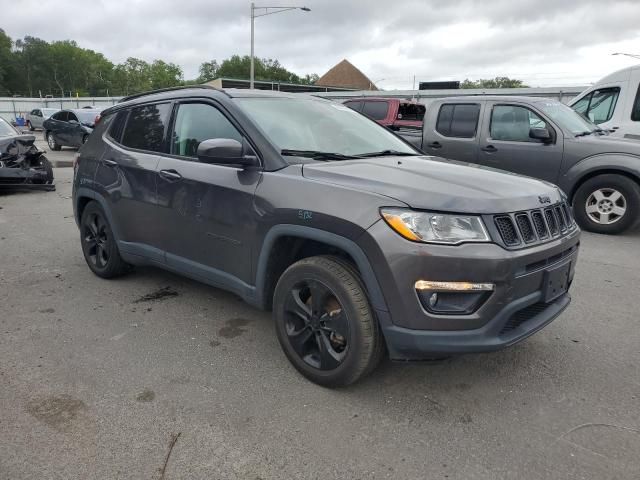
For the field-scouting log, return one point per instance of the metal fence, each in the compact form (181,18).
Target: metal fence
(11,107)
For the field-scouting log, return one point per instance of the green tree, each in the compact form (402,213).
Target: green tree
(162,74)
(6,59)
(208,71)
(497,82)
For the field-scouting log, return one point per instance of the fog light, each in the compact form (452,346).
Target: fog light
(433,299)
(452,298)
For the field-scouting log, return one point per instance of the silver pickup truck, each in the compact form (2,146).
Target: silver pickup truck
(544,139)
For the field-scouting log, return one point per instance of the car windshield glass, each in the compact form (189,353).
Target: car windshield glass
(6,129)
(567,117)
(307,125)
(88,117)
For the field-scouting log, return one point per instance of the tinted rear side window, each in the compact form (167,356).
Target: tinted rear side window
(117,127)
(635,113)
(458,120)
(376,110)
(145,127)
(357,106)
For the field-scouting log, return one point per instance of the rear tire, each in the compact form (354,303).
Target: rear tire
(99,245)
(51,141)
(608,204)
(31,128)
(333,339)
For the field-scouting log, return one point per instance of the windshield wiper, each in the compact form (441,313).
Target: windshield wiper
(316,154)
(384,153)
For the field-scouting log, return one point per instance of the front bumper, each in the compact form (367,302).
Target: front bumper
(515,310)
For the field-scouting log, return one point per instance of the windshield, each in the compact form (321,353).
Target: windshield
(307,125)
(6,130)
(88,117)
(567,117)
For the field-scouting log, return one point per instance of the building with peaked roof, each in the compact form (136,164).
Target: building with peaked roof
(345,75)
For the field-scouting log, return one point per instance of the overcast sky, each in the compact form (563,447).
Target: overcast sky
(543,42)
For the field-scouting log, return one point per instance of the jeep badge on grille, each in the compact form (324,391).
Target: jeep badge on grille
(544,199)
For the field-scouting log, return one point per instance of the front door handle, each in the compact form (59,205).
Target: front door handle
(170,175)
(489,148)
(434,145)
(109,163)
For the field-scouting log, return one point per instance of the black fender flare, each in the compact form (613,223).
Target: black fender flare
(364,266)
(83,192)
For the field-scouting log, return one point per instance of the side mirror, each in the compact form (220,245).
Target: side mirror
(225,151)
(541,134)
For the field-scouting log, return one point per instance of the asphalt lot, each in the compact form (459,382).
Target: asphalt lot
(98,377)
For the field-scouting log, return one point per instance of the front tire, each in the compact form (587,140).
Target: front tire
(51,141)
(99,245)
(324,322)
(607,204)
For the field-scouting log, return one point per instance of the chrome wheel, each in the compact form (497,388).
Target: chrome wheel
(606,206)
(51,141)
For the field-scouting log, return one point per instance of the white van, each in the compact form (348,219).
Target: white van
(613,103)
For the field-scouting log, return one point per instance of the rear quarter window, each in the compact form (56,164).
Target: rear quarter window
(117,126)
(635,113)
(145,127)
(458,120)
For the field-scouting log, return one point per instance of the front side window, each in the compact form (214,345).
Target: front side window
(458,120)
(598,106)
(145,127)
(72,117)
(635,113)
(512,123)
(196,122)
(376,110)
(61,116)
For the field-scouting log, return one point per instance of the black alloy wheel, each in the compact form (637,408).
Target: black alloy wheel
(316,325)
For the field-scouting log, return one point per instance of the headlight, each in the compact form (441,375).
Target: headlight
(435,227)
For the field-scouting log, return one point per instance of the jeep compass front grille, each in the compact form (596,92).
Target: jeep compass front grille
(531,227)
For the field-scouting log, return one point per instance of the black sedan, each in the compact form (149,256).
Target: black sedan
(69,127)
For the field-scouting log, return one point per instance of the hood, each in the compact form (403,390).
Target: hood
(608,144)
(16,145)
(432,183)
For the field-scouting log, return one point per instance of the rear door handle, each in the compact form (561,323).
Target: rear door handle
(489,148)
(109,163)
(170,175)
(434,145)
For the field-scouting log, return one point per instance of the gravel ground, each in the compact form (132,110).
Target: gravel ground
(156,376)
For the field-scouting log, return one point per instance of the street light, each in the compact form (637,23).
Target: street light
(267,11)
(627,55)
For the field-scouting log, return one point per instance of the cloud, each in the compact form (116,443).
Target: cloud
(544,42)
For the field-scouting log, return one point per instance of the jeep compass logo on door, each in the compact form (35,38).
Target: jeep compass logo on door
(544,199)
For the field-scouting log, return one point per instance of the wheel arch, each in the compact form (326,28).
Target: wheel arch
(83,197)
(602,164)
(286,244)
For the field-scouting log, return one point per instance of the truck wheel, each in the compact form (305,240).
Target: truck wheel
(30,126)
(99,245)
(324,322)
(607,203)
(53,145)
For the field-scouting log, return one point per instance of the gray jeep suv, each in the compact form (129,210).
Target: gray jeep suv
(357,242)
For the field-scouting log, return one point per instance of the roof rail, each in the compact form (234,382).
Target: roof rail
(168,89)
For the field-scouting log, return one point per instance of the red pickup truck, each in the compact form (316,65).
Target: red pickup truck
(394,113)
